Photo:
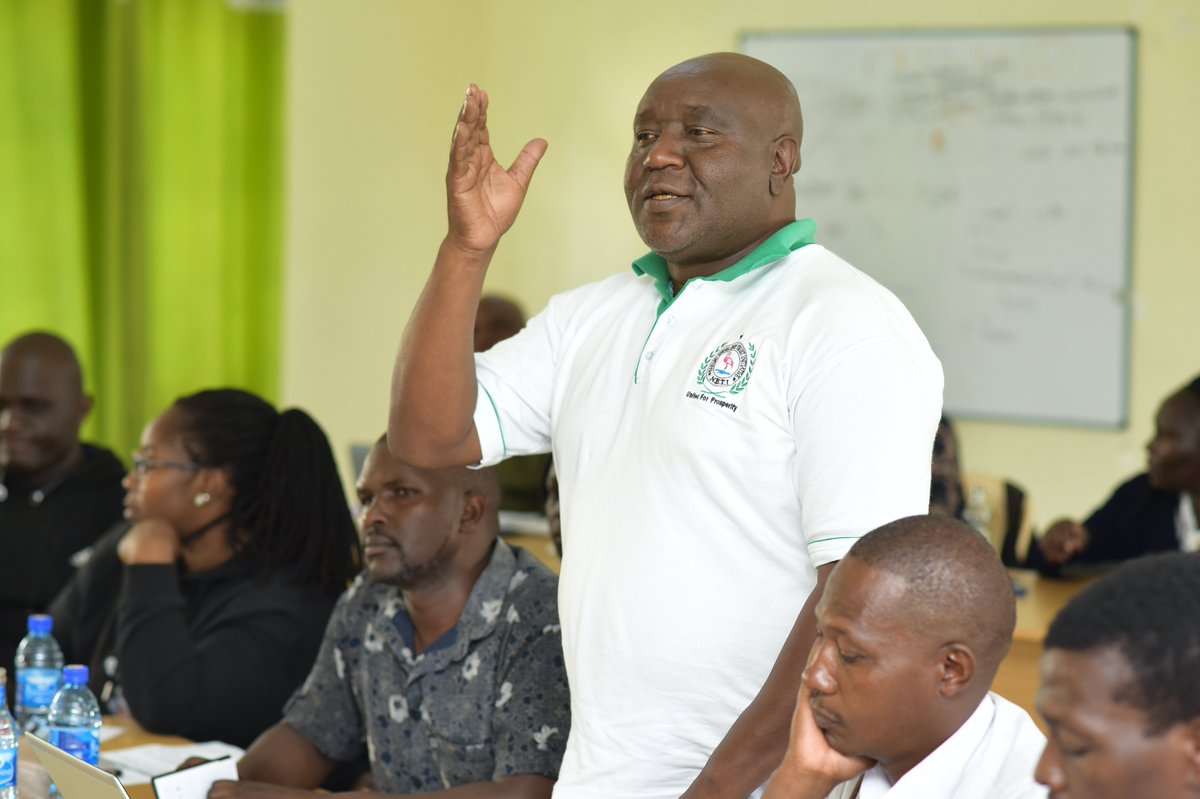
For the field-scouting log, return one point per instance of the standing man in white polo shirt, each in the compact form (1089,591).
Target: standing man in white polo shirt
(726,420)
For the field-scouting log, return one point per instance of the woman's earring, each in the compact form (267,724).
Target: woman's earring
(201,499)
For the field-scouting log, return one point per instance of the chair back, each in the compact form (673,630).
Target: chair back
(1010,527)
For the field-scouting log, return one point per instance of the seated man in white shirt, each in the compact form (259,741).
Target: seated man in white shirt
(895,699)
(1120,686)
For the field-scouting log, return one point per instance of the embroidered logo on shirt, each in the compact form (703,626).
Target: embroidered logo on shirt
(727,369)
(724,373)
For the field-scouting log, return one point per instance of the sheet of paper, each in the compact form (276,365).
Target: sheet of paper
(194,782)
(110,731)
(524,523)
(138,764)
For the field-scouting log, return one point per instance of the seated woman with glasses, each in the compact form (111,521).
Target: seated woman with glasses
(201,614)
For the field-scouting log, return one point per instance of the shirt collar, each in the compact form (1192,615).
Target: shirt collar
(479,617)
(787,239)
(935,776)
(1186,525)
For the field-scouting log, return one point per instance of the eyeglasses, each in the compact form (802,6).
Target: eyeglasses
(142,464)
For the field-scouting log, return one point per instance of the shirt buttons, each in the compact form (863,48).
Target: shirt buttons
(650,355)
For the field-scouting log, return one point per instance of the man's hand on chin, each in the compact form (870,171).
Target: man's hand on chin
(811,768)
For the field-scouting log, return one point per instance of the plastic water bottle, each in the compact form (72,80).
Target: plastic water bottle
(978,512)
(39,664)
(75,717)
(8,744)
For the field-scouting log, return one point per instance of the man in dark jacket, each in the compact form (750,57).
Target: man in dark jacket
(1152,512)
(57,494)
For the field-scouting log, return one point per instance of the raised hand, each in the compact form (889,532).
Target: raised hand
(482,197)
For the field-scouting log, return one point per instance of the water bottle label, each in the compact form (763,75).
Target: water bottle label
(8,768)
(82,742)
(36,687)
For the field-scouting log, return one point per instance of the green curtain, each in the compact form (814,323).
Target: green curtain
(44,279)
(141,152)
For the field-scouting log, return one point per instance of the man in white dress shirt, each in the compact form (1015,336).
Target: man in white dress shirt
(1120,689)
(895,699)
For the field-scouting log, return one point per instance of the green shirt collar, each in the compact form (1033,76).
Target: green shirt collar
(785,240)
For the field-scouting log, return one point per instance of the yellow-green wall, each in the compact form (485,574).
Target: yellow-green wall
(374,89)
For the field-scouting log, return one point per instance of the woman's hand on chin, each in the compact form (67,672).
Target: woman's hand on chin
(150,541)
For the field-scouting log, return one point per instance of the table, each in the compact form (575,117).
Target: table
(1017,679)
(134,735)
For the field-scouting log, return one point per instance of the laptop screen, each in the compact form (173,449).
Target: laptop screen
(74,778)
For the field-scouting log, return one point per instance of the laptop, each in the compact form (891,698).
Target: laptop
(74,778)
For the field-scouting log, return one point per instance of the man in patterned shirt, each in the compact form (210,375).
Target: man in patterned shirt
(442,662)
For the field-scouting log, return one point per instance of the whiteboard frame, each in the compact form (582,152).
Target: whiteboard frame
(1123,368)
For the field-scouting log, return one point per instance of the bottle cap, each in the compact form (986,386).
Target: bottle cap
(75,675)
(40,623)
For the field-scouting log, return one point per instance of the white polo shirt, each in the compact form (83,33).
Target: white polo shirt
(991,756)
(712,449)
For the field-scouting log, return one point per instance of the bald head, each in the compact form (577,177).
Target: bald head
(767,93)
(956,588)
(42,406)
(48,352)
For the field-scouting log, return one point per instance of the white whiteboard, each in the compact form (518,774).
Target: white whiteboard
(985,177)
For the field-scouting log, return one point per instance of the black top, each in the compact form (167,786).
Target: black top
(206,656)
(1136,520)
(37,539)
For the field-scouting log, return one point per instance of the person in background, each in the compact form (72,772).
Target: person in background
(1120,691)
(895,701)
(726,418)
(203,613)
(497,319)
(57,494)
(442,662)
(946,488)
(1155,511)
(947,497)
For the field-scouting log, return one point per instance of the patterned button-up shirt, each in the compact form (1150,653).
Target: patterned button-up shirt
(486,701)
